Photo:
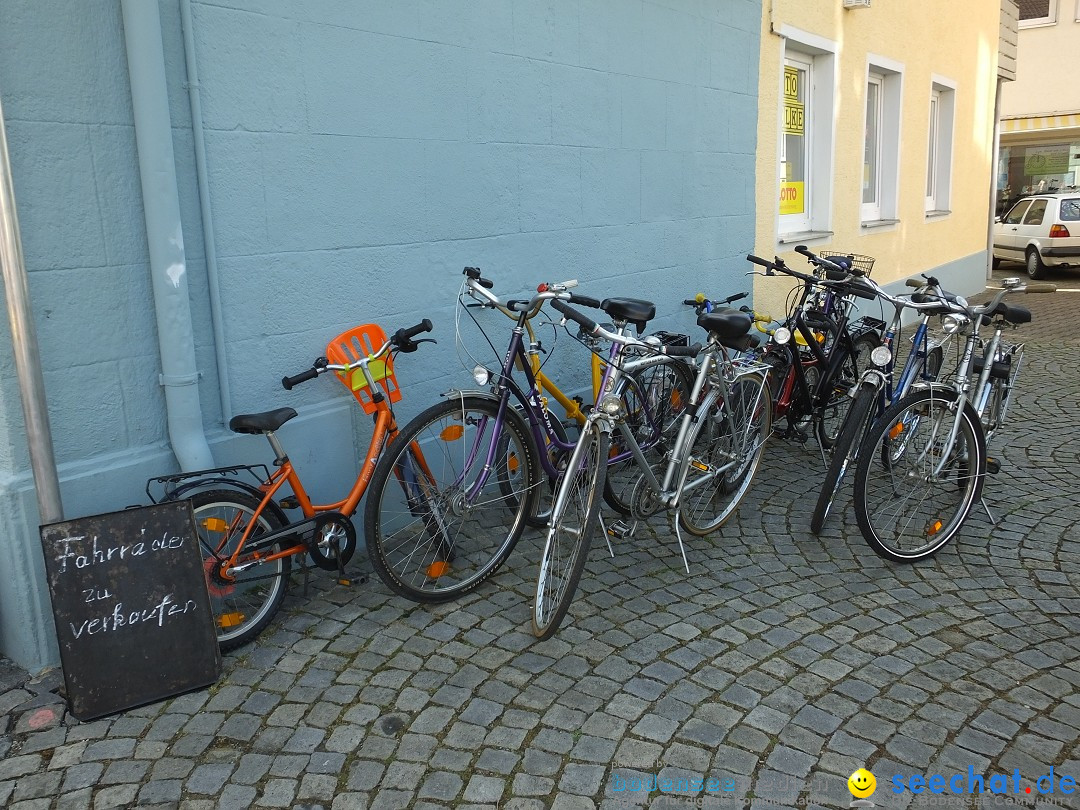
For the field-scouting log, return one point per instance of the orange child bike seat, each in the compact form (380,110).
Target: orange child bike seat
(356,344)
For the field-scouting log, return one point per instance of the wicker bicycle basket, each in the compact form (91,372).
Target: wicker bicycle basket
(857,260)
(356,344)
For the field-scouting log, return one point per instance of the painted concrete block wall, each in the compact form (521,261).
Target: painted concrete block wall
(360,154)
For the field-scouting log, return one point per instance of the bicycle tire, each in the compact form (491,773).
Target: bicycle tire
(738,427)
(666,388)
(890,520)
(569,535)
(845,451)
(244,606)
(830,417)
(424,541)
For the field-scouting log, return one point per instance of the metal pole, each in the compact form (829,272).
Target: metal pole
(24,342)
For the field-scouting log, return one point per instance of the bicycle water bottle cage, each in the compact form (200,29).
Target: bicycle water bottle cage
(356,344)
(631,310)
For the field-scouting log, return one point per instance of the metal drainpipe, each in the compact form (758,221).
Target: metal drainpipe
(217,322)
(161,204)
(25,345)
(995,156)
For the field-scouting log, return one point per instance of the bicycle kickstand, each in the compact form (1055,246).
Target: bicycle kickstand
(993,520)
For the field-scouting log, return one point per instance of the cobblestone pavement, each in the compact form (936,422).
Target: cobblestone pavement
(781,664)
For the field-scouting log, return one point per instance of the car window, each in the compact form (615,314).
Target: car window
(1070,209)
(1017,212)
(1034,215)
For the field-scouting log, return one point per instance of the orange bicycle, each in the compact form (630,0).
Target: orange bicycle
(247,541)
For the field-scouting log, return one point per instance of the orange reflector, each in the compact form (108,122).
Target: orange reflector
(452,433)
(676,399)
(215,525)
(697,465)
(933,528)
(512,463)
(437,569)
(227,620)
(896,430)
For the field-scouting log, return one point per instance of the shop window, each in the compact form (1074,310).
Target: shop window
(805,136)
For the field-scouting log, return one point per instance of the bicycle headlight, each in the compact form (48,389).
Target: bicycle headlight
(880,356)
(611,405)
(952,323)
(782,335)
(481,375)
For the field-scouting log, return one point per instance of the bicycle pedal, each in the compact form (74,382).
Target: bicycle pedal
(993,466)
(620,530)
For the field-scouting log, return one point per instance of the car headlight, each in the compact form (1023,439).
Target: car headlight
(782,335)
(953,323)
(880,356)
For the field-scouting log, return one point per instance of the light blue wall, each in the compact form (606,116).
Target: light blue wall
(360,154)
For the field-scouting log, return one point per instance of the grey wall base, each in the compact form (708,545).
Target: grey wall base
(27,635)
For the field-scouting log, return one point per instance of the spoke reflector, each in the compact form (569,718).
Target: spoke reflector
(437,569)
(933,528)
(452,433)
(212,524)
(512,463)
(896,430)
(227,620)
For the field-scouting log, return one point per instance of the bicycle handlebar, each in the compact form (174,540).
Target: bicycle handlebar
(288,382)
(403,338)
(572,314)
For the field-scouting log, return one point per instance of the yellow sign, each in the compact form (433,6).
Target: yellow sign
(792,198)
(791,83)
(793,118)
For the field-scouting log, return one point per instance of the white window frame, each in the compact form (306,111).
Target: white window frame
(820,53)
(1049,19)
(940,132)
(889,75)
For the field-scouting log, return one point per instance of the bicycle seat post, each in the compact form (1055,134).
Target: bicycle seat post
(275,444)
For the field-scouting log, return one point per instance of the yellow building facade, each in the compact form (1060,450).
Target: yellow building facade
(876,137)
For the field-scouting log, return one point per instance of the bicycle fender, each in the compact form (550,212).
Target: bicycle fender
(227,483)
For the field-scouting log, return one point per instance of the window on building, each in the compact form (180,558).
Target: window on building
(805,136)
(1038,12)
(881,144)
(939,152)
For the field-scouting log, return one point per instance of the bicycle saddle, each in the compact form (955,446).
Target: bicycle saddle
(1013,314)
(261,422)
(632,310)
(726,324)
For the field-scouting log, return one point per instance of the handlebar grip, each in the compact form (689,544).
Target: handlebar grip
(403,335)
(750,257)
(681,351)
(474,274)
(913,282)
(1040,288)
(836,275)
(584,300)
(862,291)
(737,297)
(692,302)
(572,314)
(804,250)
(288,382)
(570,284)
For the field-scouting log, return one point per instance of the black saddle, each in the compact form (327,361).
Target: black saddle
(729,325)
(631,310)
(261,422)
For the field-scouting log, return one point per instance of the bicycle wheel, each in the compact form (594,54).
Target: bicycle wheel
(653,403)
(845,451)
(243,605)
(725,450)
(832,414)
(910,504)
(437,523)
(573,519)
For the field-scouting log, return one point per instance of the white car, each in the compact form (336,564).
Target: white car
(1041,231)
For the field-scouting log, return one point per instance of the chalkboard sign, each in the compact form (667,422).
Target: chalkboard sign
(132,613)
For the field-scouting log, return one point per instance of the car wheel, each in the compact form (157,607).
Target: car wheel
(1035,267)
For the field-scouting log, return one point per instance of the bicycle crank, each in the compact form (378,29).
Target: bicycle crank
(644,502)
(333,537)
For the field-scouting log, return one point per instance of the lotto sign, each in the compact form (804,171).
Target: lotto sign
(791,84)
(794,112)
(792,198)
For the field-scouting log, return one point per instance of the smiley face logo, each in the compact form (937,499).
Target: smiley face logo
(862,783)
